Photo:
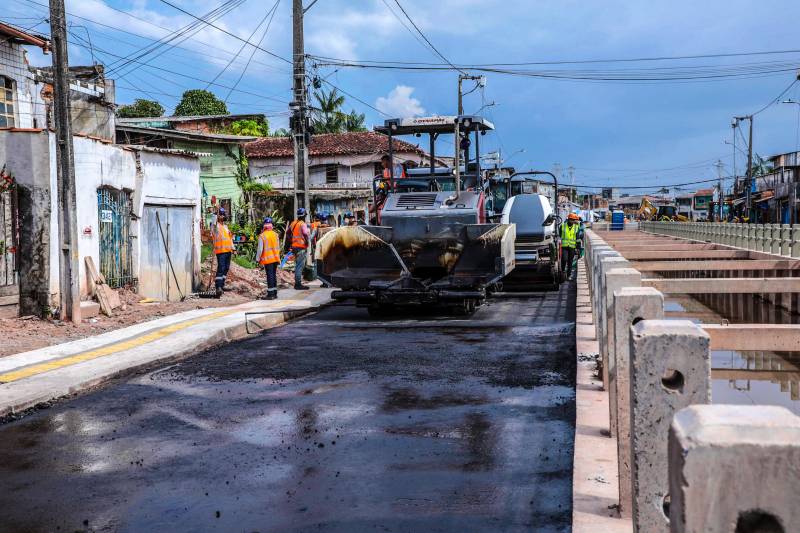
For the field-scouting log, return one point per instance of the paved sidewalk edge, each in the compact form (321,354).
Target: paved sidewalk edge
(595,489)
(40,391)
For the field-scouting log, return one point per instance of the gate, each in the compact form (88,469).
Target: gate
(116,257)
(8,236)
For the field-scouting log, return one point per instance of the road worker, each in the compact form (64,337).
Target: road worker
(223,249)
(269,255)
(569,243)
(297,237)
(386,163)
(315,222)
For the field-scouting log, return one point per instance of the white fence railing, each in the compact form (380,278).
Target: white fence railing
(778,239)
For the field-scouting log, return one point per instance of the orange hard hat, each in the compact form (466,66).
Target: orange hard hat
(573,216)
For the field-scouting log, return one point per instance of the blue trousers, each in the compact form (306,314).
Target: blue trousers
(272,277)
(299,264)
(223,265)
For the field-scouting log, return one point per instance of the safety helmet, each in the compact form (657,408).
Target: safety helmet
(301,212)
(573,216)
(348,215)
(222,211)
(267,220)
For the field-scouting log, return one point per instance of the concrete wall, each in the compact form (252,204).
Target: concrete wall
(168,179)
(30,108)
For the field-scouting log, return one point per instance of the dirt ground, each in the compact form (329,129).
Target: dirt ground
(29,333)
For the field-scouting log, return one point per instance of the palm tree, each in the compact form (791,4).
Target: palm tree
(328,117)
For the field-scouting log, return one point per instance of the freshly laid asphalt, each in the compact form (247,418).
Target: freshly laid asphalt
(336,422)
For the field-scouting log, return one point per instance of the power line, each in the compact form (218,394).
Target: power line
(438,53)
(777,98)
(226,32)
(253,52)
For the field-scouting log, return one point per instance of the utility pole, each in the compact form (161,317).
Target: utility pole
(720,195)
(299,107)
(69,260)
(749,201)
(461,78)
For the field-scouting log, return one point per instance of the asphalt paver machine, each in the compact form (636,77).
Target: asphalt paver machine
(428,241)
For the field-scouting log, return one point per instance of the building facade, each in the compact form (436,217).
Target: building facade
(342,167)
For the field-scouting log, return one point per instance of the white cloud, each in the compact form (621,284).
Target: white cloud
(332,44)
(399,103)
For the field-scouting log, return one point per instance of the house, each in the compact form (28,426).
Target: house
(777,189)
(703,200)
(125,195)
(685,205)
(219,153)
(342,167)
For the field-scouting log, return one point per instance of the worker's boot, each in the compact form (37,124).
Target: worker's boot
(272,295)
(300,287)
(219,292)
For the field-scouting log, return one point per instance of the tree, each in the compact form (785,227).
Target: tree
(354,121)
(251,128)
(198,102)
(141,108)
(328,117)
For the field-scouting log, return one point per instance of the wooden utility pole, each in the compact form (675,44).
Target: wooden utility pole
(720,194)
(69,259)
(299,107)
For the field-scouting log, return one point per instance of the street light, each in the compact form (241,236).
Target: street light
(521,150)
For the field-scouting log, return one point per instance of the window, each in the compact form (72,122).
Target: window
(378,170)
(331,173)
(6,102)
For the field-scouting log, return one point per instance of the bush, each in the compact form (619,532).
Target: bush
(198,102)
(141,108)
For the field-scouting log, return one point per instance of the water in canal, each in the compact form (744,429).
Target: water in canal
(745,378)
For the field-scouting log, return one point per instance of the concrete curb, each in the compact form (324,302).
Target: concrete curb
(595,474)
(23,394)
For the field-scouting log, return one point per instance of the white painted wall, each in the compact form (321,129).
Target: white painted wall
(169,179)
(165,179)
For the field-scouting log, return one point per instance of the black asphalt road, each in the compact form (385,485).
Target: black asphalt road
(336,422)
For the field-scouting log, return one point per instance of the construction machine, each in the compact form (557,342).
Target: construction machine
(428,241)
(537,251)
(664,213)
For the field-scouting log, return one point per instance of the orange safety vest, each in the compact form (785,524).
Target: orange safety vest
(296,230)
(315,225)
(223,240)
(270,248)
(387,174)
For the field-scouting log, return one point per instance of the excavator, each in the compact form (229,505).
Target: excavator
(428,242)
(663,213)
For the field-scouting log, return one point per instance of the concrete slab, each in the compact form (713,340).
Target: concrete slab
(724,285)
(694,266)
(732,467)
(754,337)
(699,254)
(43,375)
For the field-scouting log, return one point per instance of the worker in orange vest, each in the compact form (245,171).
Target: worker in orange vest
(223,249)
(399,171)
(297,236)
(269,255)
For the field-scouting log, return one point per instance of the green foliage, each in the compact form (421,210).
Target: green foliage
(252,128)
(255,186)
(205,251)
(197,102)
(328,116)
(245,262)
(141,108)
(761,166)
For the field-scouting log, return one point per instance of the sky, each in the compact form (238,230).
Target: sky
(608,133)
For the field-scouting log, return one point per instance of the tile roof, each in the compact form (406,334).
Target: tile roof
(353,143)
(18,35)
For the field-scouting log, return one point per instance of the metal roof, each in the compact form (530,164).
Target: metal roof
(192,136)
(19,36)
(187,118)
(435,124)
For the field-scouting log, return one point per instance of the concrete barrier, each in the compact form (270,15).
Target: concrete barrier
(670,370)
(734,468)
(631,305)
(607,263)
(616,280)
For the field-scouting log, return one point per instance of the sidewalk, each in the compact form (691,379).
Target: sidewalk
(30,378)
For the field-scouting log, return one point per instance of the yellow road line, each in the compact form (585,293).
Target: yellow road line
(116,347)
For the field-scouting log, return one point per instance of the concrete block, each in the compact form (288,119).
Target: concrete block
(631,304)
(670,370)
(734,468)
(89,309)
(616,280)
(606,264)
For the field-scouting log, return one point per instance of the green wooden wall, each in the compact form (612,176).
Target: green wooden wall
(217,171)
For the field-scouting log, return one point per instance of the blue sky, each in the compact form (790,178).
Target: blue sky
(611,133)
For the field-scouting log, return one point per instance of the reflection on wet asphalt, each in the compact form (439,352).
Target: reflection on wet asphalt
(334,422)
